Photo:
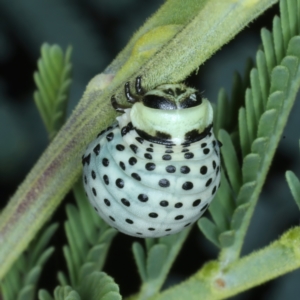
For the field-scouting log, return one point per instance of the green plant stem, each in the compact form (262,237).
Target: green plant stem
(213,282)
(59,167)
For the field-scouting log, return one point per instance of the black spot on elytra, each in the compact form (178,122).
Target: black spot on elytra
(196,202)
(164,203)
(206,151)
(125,202)
(164,183)
(185,170)
(203,170)
(133,148)
(136,176)
(110,136)
(214,164)
(169,151)
(150,166)
(143,197)
(208,182)
(166,157)
(132,161)
(171,169)
(120,147)
(105,179)
(122,165)
(97,149)
(86,160)
(107,202)
(153,215)
(120,183)
(214,190)
(188,155)
(148,155)
(105,162)
(187,186)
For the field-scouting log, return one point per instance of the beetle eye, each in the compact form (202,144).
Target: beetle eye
(158,102)
(191,101)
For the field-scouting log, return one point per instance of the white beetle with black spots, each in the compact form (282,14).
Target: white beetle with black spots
(157,169)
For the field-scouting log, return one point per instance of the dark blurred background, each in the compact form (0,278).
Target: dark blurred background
(98,30)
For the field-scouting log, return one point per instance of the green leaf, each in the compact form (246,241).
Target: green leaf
(97,255)
(150,243)
(292,64)
(268,46)
(243,132)
(250,115)
(74,232)
(286,30)
(155,260)
(279,79)
(221,119)
(263,75)
(236,100)
(278,39)
(258,102)
(44,295)
(210,230)
(231,161)
(226,238)
(293,47)
(21,281)
(284,84)
(246,192)
(218,215)
(65,293)
(88,244)
(28,292)
(99,286)
(88,217)
(267,123)
(275,101)
(53,83)
(259,145)
(239,215)
(251,166)
(140,260)
(294,185)
(42,242)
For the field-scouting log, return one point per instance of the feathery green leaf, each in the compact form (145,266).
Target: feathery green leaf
(53,80)
(21,281)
